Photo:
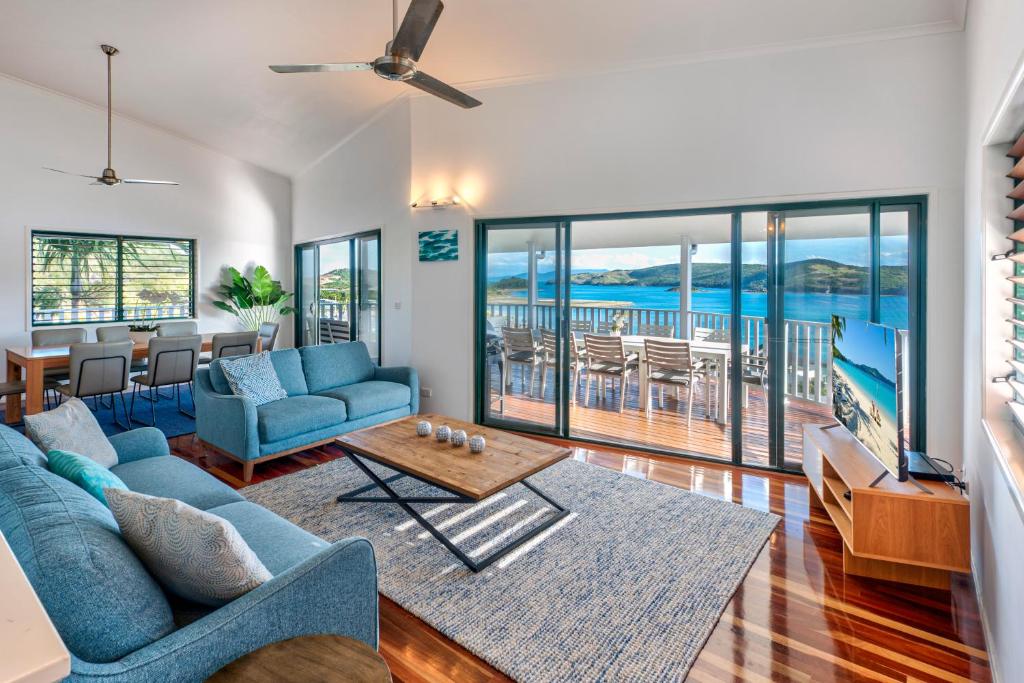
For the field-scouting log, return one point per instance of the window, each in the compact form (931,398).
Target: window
(92,278)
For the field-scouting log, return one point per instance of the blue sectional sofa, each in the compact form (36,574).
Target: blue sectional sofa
(332,389)
(114,618)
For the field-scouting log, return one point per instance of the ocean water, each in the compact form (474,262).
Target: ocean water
(883,394)
(812,307)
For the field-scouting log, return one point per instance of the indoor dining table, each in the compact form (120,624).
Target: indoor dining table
(715,352)
(34,360)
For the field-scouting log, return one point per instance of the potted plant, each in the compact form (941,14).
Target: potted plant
(141,332)
(619,321)
(254,301)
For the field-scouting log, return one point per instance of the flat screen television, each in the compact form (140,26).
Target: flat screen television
(867,388)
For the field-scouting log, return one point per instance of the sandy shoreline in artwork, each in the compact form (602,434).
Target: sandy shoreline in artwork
(855,403)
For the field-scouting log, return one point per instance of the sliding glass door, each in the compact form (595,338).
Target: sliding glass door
(520,333)
(338,291)
(739,300)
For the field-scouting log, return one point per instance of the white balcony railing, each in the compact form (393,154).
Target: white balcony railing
(87,314)
(807,345)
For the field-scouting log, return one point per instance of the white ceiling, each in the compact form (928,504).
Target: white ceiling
(198,67)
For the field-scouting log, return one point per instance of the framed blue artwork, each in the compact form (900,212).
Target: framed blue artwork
(439,245)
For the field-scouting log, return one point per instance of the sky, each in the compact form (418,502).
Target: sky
(850,250)
(870,345)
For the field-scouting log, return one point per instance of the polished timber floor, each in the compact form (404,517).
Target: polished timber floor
(796,617)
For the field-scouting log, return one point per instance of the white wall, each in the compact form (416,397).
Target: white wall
(876,119)
(239,213)
(993,53)
(361,185)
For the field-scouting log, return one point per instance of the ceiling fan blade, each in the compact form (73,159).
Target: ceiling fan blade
(416,28)
(78,175)
(429,84)
(312,68)
(134,181)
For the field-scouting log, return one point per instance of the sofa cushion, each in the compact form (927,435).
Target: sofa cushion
(84,472)
(335,365)
(277,542)
(17,450)
(369,398)
(297,415)
(103,602)
(169,476)
(288,364)
(253,377)
(197,555)
(71,427)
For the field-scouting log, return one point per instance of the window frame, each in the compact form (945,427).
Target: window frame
(120,239)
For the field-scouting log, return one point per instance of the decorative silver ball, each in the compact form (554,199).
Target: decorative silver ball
(424,428)
(458,438)
(443,433)
(477,443)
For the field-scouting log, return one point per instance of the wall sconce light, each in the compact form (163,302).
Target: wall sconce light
(441,203)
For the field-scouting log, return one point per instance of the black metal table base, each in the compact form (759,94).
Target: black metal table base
(404,502)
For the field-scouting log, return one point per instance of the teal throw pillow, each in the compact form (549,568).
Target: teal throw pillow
(84,472)
(253,377)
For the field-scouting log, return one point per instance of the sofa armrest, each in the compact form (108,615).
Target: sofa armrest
(225,420)
(402,375)
(138,444)
(332,592)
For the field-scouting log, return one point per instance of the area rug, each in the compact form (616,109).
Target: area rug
(626,588)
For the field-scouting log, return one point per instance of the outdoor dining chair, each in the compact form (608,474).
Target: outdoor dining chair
(520,349)
(606,359)
(671,364)
(651,330)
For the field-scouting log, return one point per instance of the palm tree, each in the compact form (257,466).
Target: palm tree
(84,261)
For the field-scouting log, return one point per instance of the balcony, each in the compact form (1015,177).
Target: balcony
(807,378)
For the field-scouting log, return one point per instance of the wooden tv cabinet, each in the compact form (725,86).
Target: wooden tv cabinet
(893,531)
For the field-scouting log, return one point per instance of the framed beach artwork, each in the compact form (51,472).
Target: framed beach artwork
(439,245)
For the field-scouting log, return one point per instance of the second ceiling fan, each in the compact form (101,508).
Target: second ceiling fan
(400,55)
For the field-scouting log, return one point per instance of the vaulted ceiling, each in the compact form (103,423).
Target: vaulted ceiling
(198,68)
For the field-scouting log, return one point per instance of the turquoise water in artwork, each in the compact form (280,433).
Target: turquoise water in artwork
(439,245)
(812,307)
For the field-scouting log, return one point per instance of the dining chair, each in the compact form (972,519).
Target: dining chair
(581,325)
(172,362)
(268,335)
(15,389)
(231,344)
(116,333)
(521,349)
(333,331)
(177,328)
(754,372)
(549,342)
(99,369)
(671,364)
(63,336)
(650,330)
(606,359)
(604,327)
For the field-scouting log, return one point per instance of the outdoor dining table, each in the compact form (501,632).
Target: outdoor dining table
(715,352)
(34,360)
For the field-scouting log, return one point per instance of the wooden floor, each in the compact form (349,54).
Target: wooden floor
(795,617)
(665,428)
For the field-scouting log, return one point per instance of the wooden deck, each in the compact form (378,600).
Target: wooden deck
(665,428)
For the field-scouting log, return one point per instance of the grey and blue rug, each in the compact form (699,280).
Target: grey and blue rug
(627,588)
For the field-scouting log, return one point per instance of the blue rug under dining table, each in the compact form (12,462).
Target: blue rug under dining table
(168,419)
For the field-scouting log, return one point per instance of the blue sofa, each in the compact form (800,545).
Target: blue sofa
(115,619)
(332,389)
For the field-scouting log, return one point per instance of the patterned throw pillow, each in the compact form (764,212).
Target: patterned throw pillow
(71,427)
(253,377)
(84,472)
(195,554)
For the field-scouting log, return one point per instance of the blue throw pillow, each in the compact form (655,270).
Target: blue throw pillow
(84,472)
(253,377)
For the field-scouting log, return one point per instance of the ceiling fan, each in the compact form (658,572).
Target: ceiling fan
(109,176)
(400,55)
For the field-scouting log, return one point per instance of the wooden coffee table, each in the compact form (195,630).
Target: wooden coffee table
(467,477)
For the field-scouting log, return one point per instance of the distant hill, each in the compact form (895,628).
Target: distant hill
(810,275)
